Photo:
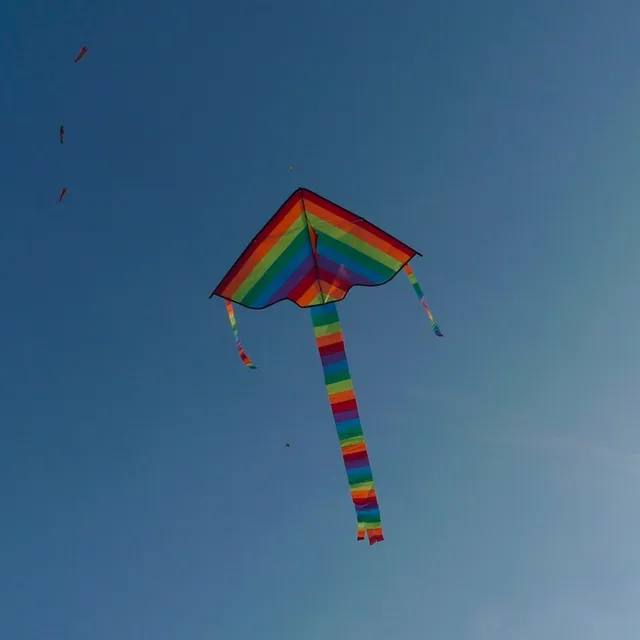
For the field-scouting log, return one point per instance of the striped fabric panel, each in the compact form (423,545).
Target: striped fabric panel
(281,264)
(328,334)
(234,327)
(416,287)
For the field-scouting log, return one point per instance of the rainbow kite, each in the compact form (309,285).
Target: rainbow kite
(312,252)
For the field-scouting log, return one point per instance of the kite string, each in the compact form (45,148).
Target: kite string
(420,294)
(328,334)
(234,327)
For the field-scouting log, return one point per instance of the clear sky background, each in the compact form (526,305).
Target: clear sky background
(144,488)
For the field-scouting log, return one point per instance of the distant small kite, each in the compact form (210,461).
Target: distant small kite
(63,193)
(61,134)
(81,53)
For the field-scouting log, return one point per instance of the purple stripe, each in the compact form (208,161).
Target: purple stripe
(333,358)
(345,415)
(293,280)
(368,503)
(357,463)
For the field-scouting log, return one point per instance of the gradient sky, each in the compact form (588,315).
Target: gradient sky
(144,488)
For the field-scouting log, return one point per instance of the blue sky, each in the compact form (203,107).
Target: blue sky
(144,488)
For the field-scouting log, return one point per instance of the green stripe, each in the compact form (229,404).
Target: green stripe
(322,319)
(338,387)
(355,244)
(336,376)
(261,268)
(348,433)
(327,329)
(368,485)
(280,263)
(362,475)
(373,518)
(347,442)
(358,257)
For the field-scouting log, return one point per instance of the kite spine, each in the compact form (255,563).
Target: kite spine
(420,294)
(328,334)
(234,327)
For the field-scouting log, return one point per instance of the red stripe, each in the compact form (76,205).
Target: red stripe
(303,285)
(341,407)
(330,349)
(262,234)
(356,456)
(333,280)
(373,538)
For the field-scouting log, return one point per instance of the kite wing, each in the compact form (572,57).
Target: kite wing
(312,252)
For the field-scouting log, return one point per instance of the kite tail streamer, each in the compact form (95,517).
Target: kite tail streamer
(420,294)
(234,327)
(328,333)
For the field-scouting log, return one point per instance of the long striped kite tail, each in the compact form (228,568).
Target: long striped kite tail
(234,327)
(420,294)
(328,333)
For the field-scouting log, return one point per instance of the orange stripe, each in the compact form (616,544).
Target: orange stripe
(307,297)
(357,231)
(341,396)
(355,448)
(364,494)
(333,290)
(262,248)
(331,338)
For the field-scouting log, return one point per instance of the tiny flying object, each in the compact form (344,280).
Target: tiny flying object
(81,53)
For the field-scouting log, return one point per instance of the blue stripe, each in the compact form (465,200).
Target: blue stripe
(303,253)
(362,473)
(350,264)
(347,425)
(336,367)
(323,310)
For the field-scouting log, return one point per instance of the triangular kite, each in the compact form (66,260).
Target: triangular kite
(312,252)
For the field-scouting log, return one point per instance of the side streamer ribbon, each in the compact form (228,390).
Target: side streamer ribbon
(234,327)
(328,333)
(420,294)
